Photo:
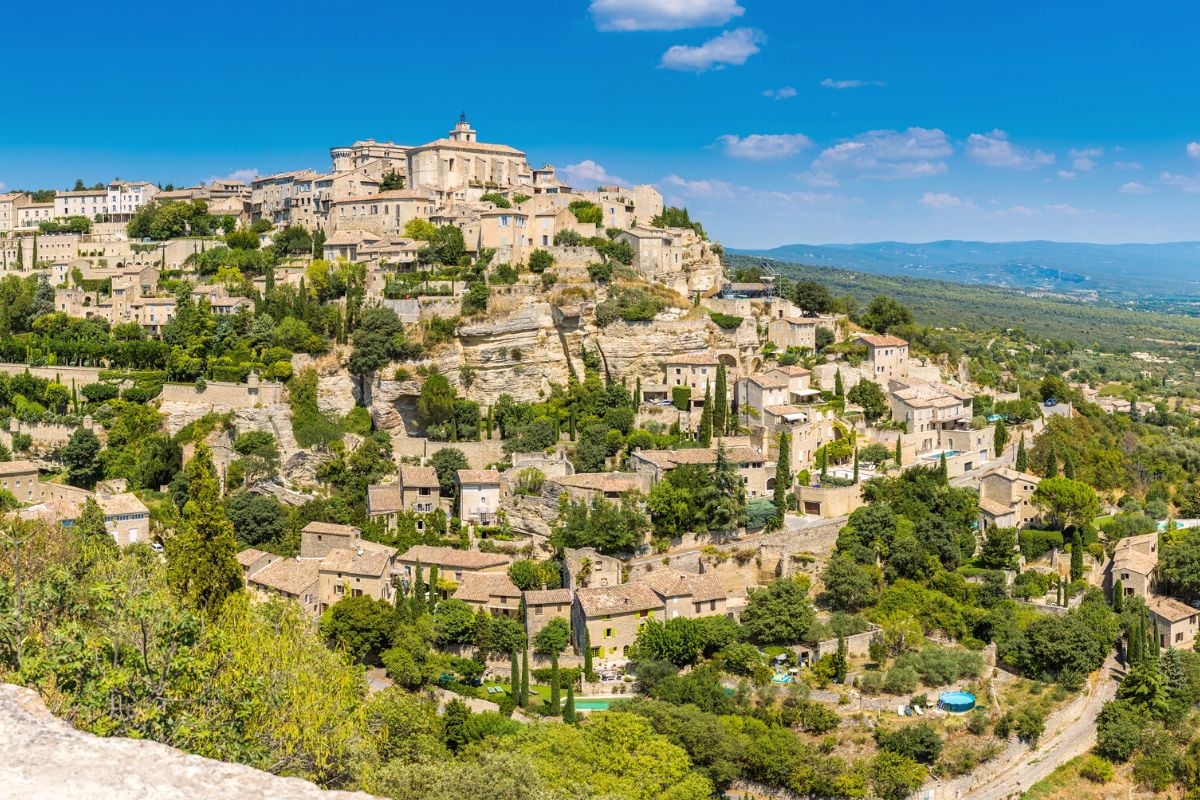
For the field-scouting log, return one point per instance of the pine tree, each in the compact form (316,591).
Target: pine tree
(839,388)
(1076,557)
(569,715)
(720,403)
(1022,463)
(433,587)
(706,420)
(783,477)
(202,561)
(1118,598)
(1000,438)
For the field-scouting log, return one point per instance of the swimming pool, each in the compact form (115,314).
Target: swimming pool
(936,454)
(593,703)
(957,702)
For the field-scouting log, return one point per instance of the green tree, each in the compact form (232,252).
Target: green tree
(447,462)
(871,398)
(437,401)
(91,528)
(257,519)
(706,420)
(848,586)
(1066,501)
(569,716)
(1076,556)
(720,412)
(360,626)
(1000,438)
(783,477)
(81,455)
(1022,462)
(839,387)
(884,315)
(202,556)
(779,614)
(812,297)
(552,640)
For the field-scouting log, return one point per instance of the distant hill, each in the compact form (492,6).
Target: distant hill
(1113,270)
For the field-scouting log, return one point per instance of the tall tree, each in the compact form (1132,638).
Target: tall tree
(202,557)
(81,455)
(839,388)
(898,456)
(725,510)
(943,474)
(1118,599)
(1022,462)
(1000,438)
(706,419)
(720,415)
(783,477)
(1076,556)
(569,716)
(856,464)
(524,677)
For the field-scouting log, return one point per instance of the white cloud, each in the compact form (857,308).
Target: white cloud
(3,186)
(885,155)
(764,146)
(1063,208)
(588,171)
(1133,187)
(995,150)
(731,47)
(662,15)
(243,175)
(784,93)
(1187,183)
(830,83)
(943,200)
(1085,158)
(711,189)
(1066,174)
(1128,165)
(1193,150)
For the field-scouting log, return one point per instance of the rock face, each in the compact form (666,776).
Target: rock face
(44,758)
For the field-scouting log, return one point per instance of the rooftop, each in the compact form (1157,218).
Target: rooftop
(330,528)
(419,477)
(19,467)
(289,575)
(545,597)
(626,598)
(365,558)
(1169,608)
(478,476)
(668,582)
(482,586)
(452,557)
(882,341)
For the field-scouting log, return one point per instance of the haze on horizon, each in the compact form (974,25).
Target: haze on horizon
(774,123)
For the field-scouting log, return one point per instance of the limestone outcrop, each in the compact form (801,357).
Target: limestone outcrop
(44,758)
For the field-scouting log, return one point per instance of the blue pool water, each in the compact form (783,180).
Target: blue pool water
(957,702)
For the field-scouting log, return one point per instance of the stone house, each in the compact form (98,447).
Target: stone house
(1176,622)
(749,461)
(1135,564)
(416,490)
(611,616)
(585,486)
(797,332)
(363,569)
(461,168)
(20,478)
(1006,498)
(291,578)
(543,605)
(478,495)
(493,591)
(887,357)
(585,566)
(686,594)
(452,564)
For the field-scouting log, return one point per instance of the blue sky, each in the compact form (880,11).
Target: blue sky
(774,122)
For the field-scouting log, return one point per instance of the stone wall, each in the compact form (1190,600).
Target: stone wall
(82,376)
(44,758)
(228,396)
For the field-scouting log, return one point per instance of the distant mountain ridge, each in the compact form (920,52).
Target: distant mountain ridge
(1113,270)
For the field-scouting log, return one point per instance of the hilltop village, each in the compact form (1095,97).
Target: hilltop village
(493,473)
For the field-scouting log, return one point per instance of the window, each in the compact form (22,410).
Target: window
(641,614)
(597,652)
(537,612)
(339,589)
(608,633)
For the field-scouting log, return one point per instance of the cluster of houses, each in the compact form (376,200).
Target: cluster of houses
(125,516)
(1133,571)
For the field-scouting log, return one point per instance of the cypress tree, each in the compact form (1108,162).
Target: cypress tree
(721,403)
(706,420)
(1051,468)
(588,672)
(35,258)
(490,422)
(202,564)
(418,598)
(1068,465)
(20,254)
(1118,599)
(571,425)
(637,392)
(433,587)
(839,388)
(1000,438)
(943,474)
(1076,557)
(1151,637)
(555,698)
(1022,463)
(898,457)
(1058,592)
(839,660)
(524,676)
(856,465)
(514,676)
(783,477)
(822,461)
(569,715)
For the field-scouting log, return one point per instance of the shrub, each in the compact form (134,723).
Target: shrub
(1096,769)
(681,397)
(725,321)
(919,742)
(599,273)
(540,261)
(1035,543)
(99,392)
(900,680)
(758,513)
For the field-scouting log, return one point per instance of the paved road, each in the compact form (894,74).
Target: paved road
(1071,737)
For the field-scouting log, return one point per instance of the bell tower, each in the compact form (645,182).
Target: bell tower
(463,132)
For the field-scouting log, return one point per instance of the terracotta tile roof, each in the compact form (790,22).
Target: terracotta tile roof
(769,381)
(365,558)
(483,147)
(482,586)
(249,556)
(793,371)
(668,582)
(701,359)
(1134,561)
(290,575)
(452,557)
(1012,476)
(19,467)
(419,477)
(124,503)
(330,528)
(478,476)
(882,341)
(1169,608)
(800,320)
(667,459)
(545,597)
(383,499)
(994,507)
(626,598)
(599,481)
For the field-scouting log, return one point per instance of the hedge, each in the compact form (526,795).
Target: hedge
(727,321)
(681,396)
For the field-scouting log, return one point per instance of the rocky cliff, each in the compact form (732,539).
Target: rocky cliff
(44,758)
